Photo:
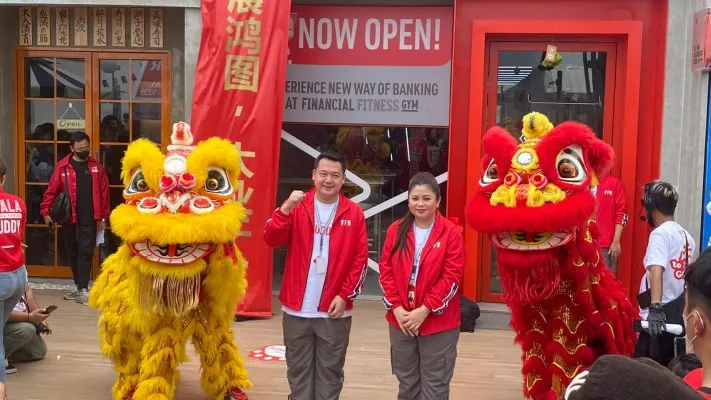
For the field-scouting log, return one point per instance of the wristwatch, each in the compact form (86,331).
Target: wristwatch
(655,306)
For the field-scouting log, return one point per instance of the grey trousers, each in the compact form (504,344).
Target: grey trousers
(424,365)
(315,356)
(612,264)
(22,343)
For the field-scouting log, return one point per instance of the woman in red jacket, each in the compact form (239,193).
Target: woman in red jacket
(421,267)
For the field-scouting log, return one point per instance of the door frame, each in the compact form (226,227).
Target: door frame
(92,101)
(627,35)
(494,46)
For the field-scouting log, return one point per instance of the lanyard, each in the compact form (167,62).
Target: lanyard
(418,249)
(318,224)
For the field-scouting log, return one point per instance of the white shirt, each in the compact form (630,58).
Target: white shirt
(666,248)
(324,215)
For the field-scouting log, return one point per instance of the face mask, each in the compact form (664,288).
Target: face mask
(84,154)
(686,326)
(708,207)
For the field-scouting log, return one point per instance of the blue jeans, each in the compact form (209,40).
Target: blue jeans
(12,287)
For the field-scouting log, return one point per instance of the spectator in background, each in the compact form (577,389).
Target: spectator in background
(89,197)
(611,213)
(697,313)
(22,336)
(13,273)
(661,292)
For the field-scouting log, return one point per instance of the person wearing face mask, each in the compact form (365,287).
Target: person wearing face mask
(697,311)
(661,293)
(421,269)
(326,265)
(87,184)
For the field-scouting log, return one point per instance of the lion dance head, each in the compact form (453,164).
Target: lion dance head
(180,212)
(534,198)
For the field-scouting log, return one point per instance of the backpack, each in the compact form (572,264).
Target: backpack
(470,313)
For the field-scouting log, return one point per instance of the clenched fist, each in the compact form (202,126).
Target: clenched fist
(296,197)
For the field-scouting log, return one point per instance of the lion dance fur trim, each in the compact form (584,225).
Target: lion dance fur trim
(534,199)
(177,275)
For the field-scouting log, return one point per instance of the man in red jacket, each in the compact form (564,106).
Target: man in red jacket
(325,269)
(89,198)
(611,217)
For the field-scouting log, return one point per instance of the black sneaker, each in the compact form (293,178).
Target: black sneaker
(10,369)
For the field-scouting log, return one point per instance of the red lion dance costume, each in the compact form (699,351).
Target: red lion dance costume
(534,199)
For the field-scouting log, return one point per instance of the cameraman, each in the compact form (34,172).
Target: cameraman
(21,336)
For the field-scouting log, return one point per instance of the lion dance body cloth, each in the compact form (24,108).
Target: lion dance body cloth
(178,274)
(534,199)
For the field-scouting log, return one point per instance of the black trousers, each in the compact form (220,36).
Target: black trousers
(80,240)
(659,349)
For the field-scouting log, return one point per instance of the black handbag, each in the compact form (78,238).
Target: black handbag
(61,209)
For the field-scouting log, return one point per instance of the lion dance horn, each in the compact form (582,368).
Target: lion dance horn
(535,126)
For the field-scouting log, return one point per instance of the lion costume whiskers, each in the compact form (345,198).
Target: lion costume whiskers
(178,274)
(535,202)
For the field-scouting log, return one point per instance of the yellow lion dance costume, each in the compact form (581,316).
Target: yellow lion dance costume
(178,275)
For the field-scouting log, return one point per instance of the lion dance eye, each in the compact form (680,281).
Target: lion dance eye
(137,185)
(491,174)
(570,165)
(212,184)
(217,182)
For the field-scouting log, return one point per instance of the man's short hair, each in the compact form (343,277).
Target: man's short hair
(332,156)
(697,278)
(3,168)
(78,137)
(662,196)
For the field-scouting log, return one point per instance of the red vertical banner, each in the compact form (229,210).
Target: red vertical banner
(239,95)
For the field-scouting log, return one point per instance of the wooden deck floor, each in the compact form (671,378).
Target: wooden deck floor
(487,366)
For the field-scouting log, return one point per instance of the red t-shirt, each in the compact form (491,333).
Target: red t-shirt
(695,379)
(13,217)
(610,208)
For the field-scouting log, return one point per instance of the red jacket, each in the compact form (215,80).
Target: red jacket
(99,188)
(441,272)
(13,217)
(347,253)
(610,208)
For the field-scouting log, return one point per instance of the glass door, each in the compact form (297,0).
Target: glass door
(52,104)
(131,102)
(581,88)
(112,97)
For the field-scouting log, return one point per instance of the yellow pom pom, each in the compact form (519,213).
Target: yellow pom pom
(535,126)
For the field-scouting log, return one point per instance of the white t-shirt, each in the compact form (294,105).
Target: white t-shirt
(666,248)
(421,236)
(324,215)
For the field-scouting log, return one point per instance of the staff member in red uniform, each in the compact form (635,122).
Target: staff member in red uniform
(421,268)
(325,269)
(13,217)
(611,217)
(89,195)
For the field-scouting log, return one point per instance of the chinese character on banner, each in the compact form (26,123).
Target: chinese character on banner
(244,34)
(244,6)
(242,73)
(244,193)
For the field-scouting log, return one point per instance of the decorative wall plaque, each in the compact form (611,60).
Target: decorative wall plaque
(81,26)
(156,28)
(44,35)
(100,27)
(138,27)
(61,24)
(118,27)
(25,24)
